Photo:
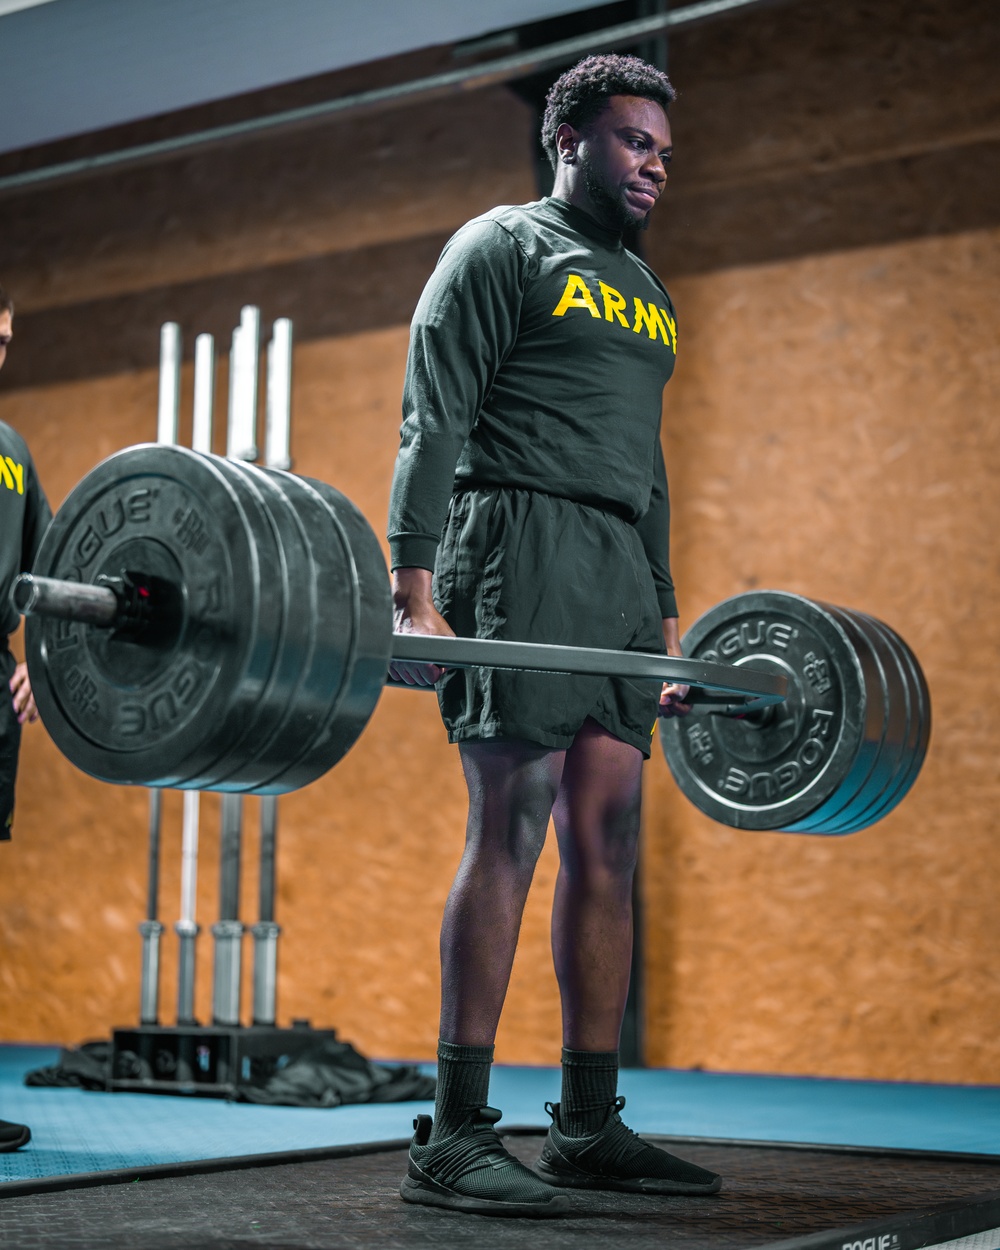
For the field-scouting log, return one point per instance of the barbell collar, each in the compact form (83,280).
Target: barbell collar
(764,688)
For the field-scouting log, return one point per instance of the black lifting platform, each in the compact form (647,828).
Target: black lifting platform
(346,1198)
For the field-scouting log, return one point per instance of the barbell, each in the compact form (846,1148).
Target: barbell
(196,622)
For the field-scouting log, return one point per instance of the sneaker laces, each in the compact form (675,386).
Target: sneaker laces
(620,1143)
(613,1145)
(466,1152)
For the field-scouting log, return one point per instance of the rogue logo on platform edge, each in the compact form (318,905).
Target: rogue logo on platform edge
(888,1241)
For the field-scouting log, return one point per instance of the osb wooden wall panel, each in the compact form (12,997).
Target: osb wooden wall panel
(832,431)
(830,241)
(366,854)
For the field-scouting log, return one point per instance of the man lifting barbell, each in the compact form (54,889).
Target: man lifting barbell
(201,623)
(530,483)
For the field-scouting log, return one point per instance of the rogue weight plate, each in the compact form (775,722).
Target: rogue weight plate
(774,769)
(164,711)
(914,696)
(289,581)
(353,632)
(843,749)
(884,730)
(345,605)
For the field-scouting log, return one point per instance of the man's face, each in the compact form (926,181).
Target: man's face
(6,334)
(623,156)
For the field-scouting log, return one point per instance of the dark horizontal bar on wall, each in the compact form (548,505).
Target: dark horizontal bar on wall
(437,86)
(377,286)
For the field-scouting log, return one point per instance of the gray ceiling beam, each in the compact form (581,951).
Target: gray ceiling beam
(420,90)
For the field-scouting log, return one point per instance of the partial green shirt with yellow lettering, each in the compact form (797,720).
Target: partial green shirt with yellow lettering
(24,516)
(538,355)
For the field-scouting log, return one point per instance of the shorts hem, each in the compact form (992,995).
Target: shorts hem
(643,743)
(523,733)
(556,742)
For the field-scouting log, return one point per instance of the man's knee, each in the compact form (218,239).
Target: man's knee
(600,845)
(510,825)
(512,788)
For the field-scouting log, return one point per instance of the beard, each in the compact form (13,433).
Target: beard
(611,200)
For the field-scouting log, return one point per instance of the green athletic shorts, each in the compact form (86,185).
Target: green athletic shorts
(529,567)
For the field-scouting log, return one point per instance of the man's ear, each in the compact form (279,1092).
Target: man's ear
(567,141)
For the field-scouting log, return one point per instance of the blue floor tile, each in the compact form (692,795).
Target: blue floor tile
(75,1131)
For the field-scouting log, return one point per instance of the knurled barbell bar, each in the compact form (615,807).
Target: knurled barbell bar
(201,623)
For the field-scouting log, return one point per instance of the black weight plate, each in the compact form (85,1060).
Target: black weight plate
(918,701)
(886,727)
(257,692)
(326,601)
(353,629)
(777,768)
(855,815)
(270,735)
(159,711)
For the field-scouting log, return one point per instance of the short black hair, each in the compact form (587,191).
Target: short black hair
(582,93)
(6,303)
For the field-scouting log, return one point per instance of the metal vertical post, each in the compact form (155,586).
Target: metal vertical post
(266,931)
(170,383)
(228,931)
(243,366)
(204,392)
(151,930)
(277,456)
(187,927)
(241,444)
(278,410)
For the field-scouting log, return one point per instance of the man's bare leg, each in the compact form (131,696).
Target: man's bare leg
(512,786)
(458,1161)
(596,816)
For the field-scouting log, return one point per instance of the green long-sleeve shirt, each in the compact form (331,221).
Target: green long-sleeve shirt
(24,515)
(538,355)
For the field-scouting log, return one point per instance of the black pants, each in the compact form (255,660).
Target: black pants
(524,566)
(10,742)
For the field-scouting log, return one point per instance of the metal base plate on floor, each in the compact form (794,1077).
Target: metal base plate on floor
(208,1061)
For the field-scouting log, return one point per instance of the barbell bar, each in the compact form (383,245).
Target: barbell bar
(123,606)
(202,623)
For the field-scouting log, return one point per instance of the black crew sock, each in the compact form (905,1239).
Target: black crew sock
(463,1083)
(589,1086)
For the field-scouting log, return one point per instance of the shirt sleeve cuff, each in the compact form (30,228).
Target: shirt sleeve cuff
(667,601)
(412,551)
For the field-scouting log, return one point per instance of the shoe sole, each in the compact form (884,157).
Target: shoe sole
(642,1185)
(432,1195)
(7,1146)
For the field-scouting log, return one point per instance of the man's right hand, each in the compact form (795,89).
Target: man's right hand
(414,613)
(23,699)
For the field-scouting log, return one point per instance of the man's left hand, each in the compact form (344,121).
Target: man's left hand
(24,700)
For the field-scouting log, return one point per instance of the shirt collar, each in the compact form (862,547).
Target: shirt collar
(585,224)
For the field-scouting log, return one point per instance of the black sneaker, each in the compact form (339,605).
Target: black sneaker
(616,1158)
(13,1136)
(472,1171)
